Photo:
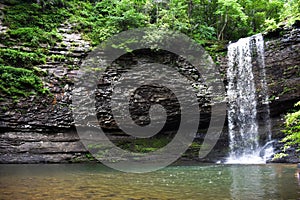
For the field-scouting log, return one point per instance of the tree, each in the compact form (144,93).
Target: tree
(258,11)
(229,11)
(291,12)
(174,16)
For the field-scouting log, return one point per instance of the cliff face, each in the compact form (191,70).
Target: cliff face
(39,129)
(283,77)
(283,71)
(42,129)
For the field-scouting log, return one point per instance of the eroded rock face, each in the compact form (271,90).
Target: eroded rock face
(283,77)
(283,71)
(52,111)
(148,95)
(42,129)
(35,147)
(39,129)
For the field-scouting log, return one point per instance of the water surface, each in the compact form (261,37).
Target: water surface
(94,181)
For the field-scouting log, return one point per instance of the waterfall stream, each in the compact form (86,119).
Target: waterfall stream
(245,94)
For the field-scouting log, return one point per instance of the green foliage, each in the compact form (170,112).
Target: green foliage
(20,59)
(270,25)
(32,15)
(20,82)
(90,157)
(173,16)
(279,156)
(33,23)
(230,11)
(200,19)
(110,17)
(287,15)
(290,13)
(203,33)
(55,57)
(259,11)
(291,131)
(34,37)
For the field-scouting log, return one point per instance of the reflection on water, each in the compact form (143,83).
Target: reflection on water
(93,181)
(247,179)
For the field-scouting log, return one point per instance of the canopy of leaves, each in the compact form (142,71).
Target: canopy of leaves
(35,22)
(200,19)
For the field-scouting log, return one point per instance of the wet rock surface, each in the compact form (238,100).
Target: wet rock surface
(282,67)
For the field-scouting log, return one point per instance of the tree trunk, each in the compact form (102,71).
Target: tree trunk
(190,8)
(221,34)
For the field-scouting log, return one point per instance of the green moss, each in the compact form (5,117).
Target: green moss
(90,157)
(33,36)
(56,57)
(17,82)
(73,67)
(38,71)
(193,150)
(34,27)
(145,145)
(20,59)
(137,145)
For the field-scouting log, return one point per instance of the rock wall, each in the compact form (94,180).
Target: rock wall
(283,71)
(283,78)
(42,129)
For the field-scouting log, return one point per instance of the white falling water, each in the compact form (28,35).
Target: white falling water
(242,99)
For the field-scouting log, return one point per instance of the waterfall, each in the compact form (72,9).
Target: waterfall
(245,93)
